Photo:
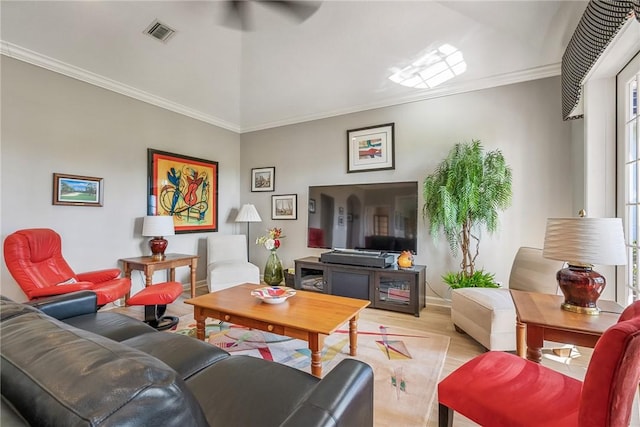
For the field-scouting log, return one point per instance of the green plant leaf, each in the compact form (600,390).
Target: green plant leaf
(479,279)
(466,192)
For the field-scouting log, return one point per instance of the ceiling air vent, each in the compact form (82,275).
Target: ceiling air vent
(159,31)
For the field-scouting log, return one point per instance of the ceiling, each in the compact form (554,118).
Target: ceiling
(282,72)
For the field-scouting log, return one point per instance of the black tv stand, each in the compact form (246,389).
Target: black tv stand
(389,288)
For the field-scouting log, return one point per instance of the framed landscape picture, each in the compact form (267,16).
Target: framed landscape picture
(77,190)
(284,206)
(371,148)
(185,188)
(263,179)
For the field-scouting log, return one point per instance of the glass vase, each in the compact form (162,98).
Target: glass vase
(273,274)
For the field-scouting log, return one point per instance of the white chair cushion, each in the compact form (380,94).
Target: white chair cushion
(224,274)
(227,262)
(488,315)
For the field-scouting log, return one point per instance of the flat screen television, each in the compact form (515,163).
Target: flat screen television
(374,217)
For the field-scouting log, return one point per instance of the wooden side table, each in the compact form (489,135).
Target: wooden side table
(541,316)
(148,265)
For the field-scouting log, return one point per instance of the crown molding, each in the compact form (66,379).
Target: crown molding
(17,52)
(542,72)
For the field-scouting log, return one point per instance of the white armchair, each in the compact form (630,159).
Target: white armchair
(227,263)
(488,314)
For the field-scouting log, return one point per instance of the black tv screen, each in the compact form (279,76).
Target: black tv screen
(377,217)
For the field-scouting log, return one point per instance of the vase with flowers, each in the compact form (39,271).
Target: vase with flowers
(273,273)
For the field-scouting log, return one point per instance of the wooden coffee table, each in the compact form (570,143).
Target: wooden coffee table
(541,316)
(309,316)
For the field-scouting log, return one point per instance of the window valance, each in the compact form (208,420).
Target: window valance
(599,25)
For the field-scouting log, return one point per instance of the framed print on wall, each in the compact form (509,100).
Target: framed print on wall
(185,188)
(77,190)
(371,148)
(284,206)
(263,179)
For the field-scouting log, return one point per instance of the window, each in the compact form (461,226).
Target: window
(629,176)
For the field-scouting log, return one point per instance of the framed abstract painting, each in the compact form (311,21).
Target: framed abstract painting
(185,188)
(371,148)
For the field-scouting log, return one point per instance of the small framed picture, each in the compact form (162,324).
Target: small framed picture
(263,179)
(371,148)
(312,205)
(284,206)
(340,220)
(77,190)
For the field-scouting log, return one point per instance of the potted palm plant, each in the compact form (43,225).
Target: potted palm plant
(462,196)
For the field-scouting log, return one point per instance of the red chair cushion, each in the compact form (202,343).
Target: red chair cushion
(500,389)
(630,312)
(159,294)
(99,276)
(34,259)
(612,377)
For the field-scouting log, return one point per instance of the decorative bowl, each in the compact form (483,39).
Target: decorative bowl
(273,294)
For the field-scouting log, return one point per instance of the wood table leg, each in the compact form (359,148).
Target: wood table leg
(353,335)
(127,274)
(200,318)
(172,274)
(535,340)
(316,342)
(148,276)
(194,265)
(521,334)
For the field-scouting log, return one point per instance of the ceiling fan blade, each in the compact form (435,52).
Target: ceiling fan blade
(299,10)
(238,15)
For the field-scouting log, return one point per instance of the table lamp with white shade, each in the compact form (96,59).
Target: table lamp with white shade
(158,226)
(581,243)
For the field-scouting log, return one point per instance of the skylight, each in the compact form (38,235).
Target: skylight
(432,69)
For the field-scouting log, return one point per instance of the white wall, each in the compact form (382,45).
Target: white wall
(523,120)
(52,123)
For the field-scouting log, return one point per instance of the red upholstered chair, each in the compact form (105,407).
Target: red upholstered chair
(500,389)
(34,259)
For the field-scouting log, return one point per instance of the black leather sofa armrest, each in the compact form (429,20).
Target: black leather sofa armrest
(67,305)
(344,397)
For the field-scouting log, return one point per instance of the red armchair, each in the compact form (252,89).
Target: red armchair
(34,259)
(500,389)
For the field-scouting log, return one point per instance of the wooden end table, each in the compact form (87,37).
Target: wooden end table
(148,265)
(309,316)
(541,316)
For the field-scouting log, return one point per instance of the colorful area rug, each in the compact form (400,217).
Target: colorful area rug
(407,363)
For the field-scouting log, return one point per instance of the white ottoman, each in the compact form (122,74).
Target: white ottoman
(487,315)
(225,274)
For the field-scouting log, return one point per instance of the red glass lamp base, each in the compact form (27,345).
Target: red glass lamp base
(581,286)
(158,245)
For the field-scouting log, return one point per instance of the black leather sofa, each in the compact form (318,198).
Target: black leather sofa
(66,364)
